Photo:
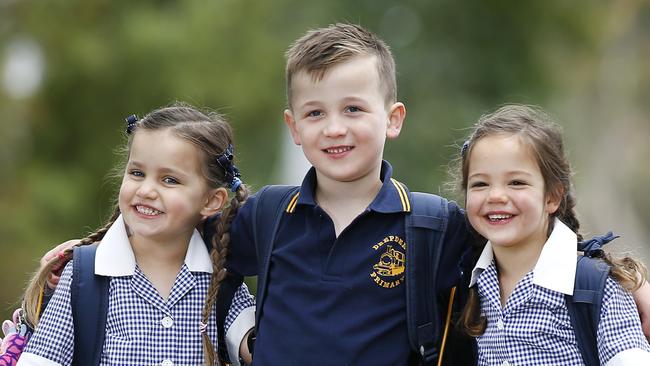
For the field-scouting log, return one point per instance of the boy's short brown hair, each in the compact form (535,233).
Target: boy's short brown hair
(320,49)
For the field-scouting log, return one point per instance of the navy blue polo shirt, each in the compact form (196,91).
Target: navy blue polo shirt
(335,301)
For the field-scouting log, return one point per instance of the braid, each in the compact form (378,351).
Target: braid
(220,243)
(33,294)
(566,213)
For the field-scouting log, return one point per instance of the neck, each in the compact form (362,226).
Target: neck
(362,191)
(151,253)
(514,262)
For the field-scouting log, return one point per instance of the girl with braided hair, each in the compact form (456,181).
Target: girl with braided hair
(163,279)
(520,202)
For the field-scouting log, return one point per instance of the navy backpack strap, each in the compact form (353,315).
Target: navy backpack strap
(269,207)
(425,229)
(89,302)
(227,290)
(584,306)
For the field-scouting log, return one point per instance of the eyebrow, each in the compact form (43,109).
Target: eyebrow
(509,173)
(163,170)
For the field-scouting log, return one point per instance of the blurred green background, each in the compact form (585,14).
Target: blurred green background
(72,70)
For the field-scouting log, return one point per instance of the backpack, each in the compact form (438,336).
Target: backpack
(89,303)
(426,224)
(585,303)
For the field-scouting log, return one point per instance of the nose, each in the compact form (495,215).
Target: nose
(147,189)
(497,195)
(335,127)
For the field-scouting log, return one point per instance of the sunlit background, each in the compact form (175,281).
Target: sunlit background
(71,70)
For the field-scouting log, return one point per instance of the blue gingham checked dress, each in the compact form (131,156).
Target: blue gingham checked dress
(141,328)
(534,328)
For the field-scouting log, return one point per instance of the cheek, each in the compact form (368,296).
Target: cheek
(124,195)
(473,207)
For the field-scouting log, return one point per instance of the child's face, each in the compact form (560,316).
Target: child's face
(506,200)
(342,121)
(164,193)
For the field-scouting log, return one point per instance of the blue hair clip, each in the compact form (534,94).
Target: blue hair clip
(232,173)
(130,123)
(592,248)
(463,149)
(235,184)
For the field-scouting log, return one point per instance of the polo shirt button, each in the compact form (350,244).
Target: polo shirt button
(505,363)
(167,322)
(500,324)
(167,363)
(422,350)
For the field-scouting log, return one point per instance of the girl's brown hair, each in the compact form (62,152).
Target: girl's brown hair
(212,135)
(543,138)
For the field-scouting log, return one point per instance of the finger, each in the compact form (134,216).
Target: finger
(56,250)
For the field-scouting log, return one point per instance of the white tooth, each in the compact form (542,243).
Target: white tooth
(147,210)
(499,217)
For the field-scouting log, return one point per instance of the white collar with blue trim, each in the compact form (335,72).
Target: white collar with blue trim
(556,266)
(115,256)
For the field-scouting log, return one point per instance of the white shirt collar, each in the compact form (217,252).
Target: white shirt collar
(115,256)
(556,266)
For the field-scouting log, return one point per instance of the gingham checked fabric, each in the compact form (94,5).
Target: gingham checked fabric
(141,328)
(534,327)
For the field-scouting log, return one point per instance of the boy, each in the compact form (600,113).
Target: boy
(336,293)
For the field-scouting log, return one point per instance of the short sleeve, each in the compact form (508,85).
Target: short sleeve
(53,338)
(619,331)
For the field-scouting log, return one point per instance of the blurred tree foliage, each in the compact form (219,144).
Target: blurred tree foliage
(106,59)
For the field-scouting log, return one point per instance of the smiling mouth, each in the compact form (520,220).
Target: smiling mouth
(338,149)
(498,217)
(148,211)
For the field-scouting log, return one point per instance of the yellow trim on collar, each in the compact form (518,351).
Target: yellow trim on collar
(406,204)
(292,203)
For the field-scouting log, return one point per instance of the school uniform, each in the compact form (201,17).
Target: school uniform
(534,327)
(141,327)
(338,300)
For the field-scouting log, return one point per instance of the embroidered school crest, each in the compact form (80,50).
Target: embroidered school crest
(388,272)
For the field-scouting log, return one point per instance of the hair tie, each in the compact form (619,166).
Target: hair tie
(593,247)
(130,123)
(231,171)
(463,149)
(203,327)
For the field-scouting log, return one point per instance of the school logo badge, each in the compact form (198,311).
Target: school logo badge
(389,271)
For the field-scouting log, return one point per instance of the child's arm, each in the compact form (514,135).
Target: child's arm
(239,322)
(620,339)
(53,341)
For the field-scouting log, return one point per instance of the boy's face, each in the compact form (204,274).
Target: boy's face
(342,121)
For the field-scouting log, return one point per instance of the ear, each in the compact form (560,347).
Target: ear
(554,199)
(396,115)
(215,201)
(291,123)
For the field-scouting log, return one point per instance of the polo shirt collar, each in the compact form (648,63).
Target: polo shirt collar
(392,196)
(115,256)
(556,266)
